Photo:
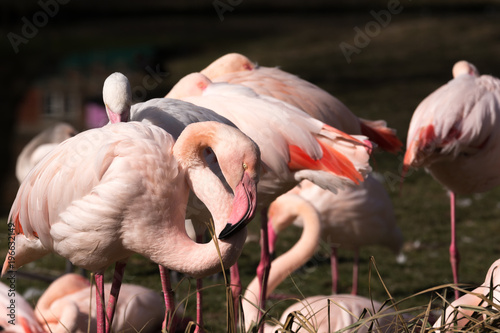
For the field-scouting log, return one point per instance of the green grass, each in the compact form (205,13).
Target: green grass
(403,64)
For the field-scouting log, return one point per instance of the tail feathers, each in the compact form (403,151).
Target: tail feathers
(383,136)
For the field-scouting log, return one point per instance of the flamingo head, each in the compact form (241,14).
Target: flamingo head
(117,97)
(240,165)
(229,63)
(464,67)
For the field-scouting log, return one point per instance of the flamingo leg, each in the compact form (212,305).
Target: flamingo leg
(168,294)
(100,310)
(355,270)
(115,291)
(454,255)
(334,262)
(264,265)
(236,291)
(199,298)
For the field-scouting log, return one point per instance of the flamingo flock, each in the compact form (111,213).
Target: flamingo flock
(225,143)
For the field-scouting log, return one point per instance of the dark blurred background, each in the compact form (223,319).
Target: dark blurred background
(56,54)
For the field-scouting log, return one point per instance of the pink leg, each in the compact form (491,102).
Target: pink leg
(334,262)
(454,255)
(115,290)
(355,269)
(236,291)
(99,282)
(265,263)
(168,323)
(199,297)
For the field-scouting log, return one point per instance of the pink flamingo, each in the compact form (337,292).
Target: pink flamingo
(454,134)
(173,116)
(294,146)
(344,309)
(130,182)
(356,216)
(23,318)
(238,69)
(457,313)
(65,306)
(40,145)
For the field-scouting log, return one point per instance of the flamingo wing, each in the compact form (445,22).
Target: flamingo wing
(456,119)
(290,140)
(173,115)
(69,201)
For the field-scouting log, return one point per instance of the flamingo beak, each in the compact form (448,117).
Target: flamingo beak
(118,118)
(244,204)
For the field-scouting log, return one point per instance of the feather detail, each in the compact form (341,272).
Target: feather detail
(331,161)
(383,136)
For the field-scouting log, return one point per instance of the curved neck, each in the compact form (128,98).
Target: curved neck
(188,151)
(287,263)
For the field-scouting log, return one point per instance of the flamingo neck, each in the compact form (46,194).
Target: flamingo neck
(285,264)
(213,194)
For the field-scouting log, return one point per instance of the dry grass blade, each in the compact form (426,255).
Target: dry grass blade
(230,315)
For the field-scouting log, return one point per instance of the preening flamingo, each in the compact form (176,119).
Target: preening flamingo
(344,309)
(173,116)
(294,146)
(487,295)
(318,103)
(40,145)
(122,189)
(355,217)
(117,97)
(65,306)
(17,316)
(454,134)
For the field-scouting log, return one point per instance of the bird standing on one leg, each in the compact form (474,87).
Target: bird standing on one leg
(455,135)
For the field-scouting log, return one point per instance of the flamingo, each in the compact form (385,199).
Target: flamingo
(355,217)
(454,135)
(237,69)
(488,294)
(294,146)
(65,306)
(40,145)
(173,116)
(18,316)
(344,309)
(129,194)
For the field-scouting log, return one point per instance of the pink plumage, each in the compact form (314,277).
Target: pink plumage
(457,313)
(454,134)
(344,309)
(291,142)
(17,316)
(65,306)
(355,217)
(108,193)
(238,69)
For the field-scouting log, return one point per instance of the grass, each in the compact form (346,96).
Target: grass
(404,63)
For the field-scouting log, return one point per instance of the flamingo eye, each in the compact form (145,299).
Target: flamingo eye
(245,166)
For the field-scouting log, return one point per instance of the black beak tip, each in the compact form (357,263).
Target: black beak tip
(227,231)
(230,229)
